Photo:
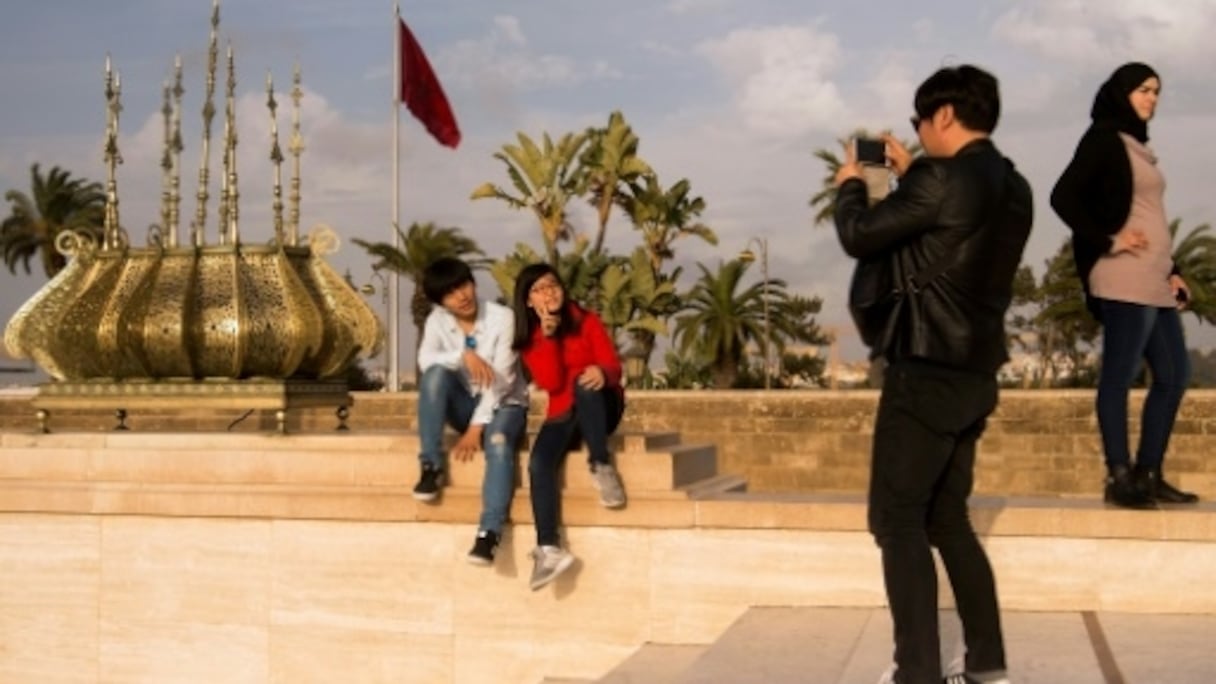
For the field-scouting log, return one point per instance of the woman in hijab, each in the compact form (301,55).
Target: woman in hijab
(1111,197)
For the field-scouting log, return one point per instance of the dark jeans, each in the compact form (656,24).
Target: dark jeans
(929,418)
(1131,333)
(595,415)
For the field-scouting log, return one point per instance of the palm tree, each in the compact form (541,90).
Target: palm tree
(1195,256)
(663,216)
(58,203)
(610,160)
(722,320)
(825,198)
(546,178)
(421,245)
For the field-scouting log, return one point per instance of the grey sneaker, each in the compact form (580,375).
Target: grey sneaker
(550,561)
(608,481)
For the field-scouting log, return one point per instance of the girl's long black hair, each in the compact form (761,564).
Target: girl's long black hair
(526,319)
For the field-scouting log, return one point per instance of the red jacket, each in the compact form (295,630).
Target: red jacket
(556,362)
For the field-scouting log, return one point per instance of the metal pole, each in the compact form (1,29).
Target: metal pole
(392,382)
(767,335)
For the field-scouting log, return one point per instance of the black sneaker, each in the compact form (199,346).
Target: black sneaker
(429,482)
(484,547)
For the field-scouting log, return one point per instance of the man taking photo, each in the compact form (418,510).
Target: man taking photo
(952,234)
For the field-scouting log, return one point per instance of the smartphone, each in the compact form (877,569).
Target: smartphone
(871,151)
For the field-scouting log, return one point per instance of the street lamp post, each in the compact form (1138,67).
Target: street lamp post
(748,255)
(383,289)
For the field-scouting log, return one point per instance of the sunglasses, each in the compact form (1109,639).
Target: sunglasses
(916,122)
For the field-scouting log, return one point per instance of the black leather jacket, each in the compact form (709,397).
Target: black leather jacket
(958,318)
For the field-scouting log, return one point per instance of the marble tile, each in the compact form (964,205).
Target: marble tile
(703,580)
(325,655)
(377,577)
(49,598)
(184,600)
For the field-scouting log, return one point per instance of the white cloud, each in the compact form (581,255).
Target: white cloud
(781,76)
(682,7)
(503,60)
(1176,33)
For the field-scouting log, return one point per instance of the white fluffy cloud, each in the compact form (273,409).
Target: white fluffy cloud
(781,76)
(504,59)
(1176,33)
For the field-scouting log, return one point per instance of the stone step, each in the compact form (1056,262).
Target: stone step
(654,664)
(648,461)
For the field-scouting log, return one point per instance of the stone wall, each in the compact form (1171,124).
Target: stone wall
(1039,442)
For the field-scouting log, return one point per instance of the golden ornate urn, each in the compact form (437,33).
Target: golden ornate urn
(225,324)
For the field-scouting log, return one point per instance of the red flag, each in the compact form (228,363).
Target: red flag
(421,92)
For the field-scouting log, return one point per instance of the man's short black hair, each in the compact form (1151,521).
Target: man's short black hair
(972,91)
(444,275)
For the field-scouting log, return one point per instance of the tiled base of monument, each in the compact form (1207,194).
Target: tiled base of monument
(251,394)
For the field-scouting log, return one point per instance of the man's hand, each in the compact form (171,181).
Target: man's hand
(1182,292)
(468,444)
(592,378)
(481,373)
(849,168)
(897,155)
(1131,240)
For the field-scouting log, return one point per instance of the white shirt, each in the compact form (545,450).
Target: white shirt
(443,343)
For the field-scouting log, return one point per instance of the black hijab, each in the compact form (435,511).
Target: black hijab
(1112,109)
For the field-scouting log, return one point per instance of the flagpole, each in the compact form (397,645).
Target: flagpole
(392,382)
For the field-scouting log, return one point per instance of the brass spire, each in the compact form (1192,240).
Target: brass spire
(276,158)
(175,155)
(113,158)
(296,147)
(198,231)
(166,163)
(229,233)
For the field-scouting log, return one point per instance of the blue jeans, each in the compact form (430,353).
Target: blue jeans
(444,400)
(1130,333)
(595,415)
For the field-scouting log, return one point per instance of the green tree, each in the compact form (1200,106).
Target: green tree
(663,216)
(546,177)
(57,203)
(1195,256)
(610,163)
(722,318)
(1063,324)
(421,245)
(825,199)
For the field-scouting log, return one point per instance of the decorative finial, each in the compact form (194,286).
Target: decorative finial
(198,231)
(296,147)
(276,158)
(228,225)
(166,159)
(113,92)
(175,152)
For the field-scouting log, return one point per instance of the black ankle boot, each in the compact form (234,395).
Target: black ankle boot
(1123,489)
(1150,481)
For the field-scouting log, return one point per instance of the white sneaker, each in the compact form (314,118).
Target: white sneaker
(608,481)
(548,563)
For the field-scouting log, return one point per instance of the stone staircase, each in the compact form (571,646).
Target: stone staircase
(353,476)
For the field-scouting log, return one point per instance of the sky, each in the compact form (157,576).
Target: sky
(734,95)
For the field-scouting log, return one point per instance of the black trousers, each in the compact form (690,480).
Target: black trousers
(922,471)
